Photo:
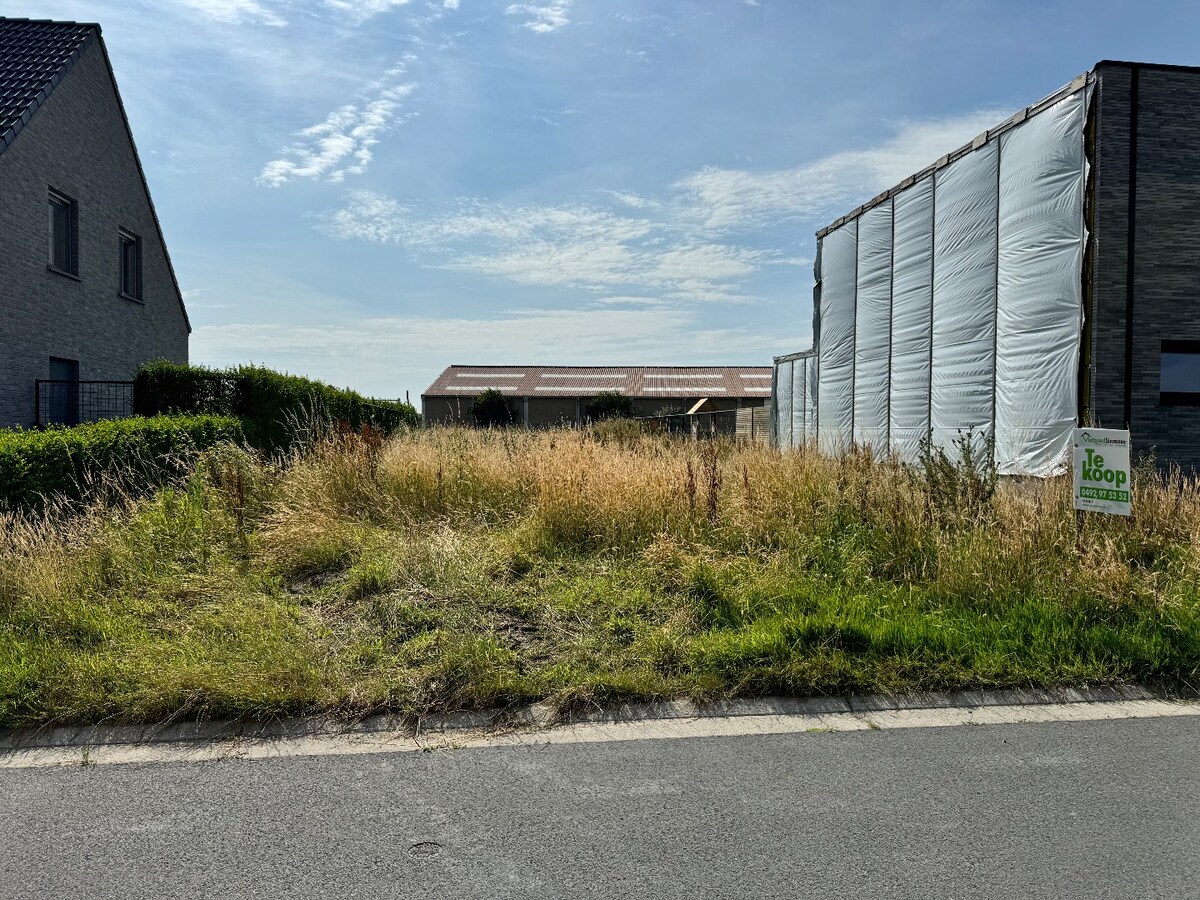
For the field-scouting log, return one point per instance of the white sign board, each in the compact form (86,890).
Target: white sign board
(1100,470)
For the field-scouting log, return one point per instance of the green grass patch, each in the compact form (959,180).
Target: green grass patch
(453,570)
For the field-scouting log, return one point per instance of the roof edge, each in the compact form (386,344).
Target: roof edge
(137,159)
(7,138)
(1078,83)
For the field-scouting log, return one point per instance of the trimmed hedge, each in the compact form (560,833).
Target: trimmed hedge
(133,454)
(269,403)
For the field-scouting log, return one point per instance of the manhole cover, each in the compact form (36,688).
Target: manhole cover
(425,849)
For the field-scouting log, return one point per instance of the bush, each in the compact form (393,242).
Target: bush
(271,405)
(121,454)
(609,405)
(492,409)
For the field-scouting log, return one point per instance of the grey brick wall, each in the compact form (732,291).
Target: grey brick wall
(1166,287)
(77,143)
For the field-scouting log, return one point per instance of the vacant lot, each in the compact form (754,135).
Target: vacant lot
(449,569)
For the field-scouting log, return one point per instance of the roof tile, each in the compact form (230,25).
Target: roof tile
(34,55)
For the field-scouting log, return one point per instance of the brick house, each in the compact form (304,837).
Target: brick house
(89,290)
(1040,278)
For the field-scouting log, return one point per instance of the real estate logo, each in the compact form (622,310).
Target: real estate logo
(1100,470)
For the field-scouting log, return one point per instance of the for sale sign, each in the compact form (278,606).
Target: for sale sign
(1100,464)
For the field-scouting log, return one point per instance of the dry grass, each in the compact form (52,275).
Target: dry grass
(451,569)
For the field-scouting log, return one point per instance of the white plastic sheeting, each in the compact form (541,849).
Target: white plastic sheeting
(794,411)
(912,318)
(873,327)
(782,404)
(810,405)
(799,398)
(956,304)
(964,296)
(834,333)
(1038,314)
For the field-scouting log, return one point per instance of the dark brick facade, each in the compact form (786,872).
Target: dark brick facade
(78,143)
(1145,143)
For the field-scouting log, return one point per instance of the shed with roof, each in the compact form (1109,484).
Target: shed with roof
(544,396)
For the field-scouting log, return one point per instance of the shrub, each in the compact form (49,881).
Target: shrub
(272,406)
(122,454)
(492,409)
(609,405)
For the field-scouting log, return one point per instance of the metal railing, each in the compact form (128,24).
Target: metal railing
(74,402)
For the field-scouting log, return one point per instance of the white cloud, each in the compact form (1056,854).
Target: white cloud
(449,4)
(678,248)
(731,199)
(575,246)
(342,144)
(361,10)
(542,18)
(236,11)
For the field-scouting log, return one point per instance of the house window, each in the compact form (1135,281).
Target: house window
(131,265)
(1179,376)
(64,234)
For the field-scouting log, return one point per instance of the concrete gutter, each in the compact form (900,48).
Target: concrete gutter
(540,724)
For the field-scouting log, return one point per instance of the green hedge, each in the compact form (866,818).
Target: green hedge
(269,403)
(132,454)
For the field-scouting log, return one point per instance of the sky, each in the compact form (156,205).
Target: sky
(367,191)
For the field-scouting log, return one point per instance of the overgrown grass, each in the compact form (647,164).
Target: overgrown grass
(449,569)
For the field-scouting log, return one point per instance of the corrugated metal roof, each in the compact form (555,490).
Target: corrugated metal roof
(587,381)
(34,56)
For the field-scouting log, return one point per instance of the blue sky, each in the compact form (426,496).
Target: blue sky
(366,191)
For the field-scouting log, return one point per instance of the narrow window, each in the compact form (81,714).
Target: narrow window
(131,265)
(64,234)
(1179,375)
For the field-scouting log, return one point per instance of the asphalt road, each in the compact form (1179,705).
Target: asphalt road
(1071,810)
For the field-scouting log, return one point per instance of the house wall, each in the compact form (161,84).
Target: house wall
(78,144)
(1166,258)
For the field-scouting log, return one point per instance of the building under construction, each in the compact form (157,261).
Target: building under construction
(1043,276)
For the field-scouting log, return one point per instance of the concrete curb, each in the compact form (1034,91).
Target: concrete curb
(544,716)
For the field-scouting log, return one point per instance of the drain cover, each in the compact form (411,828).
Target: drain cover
(425,849)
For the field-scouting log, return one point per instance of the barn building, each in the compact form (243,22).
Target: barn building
(545,396)
(1043,276)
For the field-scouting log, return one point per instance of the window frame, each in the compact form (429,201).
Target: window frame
(128,240)
(58,200)
(1178,348)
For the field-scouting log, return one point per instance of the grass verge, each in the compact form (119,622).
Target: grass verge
(448,569)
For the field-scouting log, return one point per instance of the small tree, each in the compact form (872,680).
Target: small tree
(609,405)
(492,409)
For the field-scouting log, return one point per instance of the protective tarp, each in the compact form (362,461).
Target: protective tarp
(810,406)
(835,347)
(773,414)
(912,318)
(872,327)
(964,297)
(783,403)
(1042,175)
(798,398)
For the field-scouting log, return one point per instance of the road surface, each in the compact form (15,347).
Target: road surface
(1060,809)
